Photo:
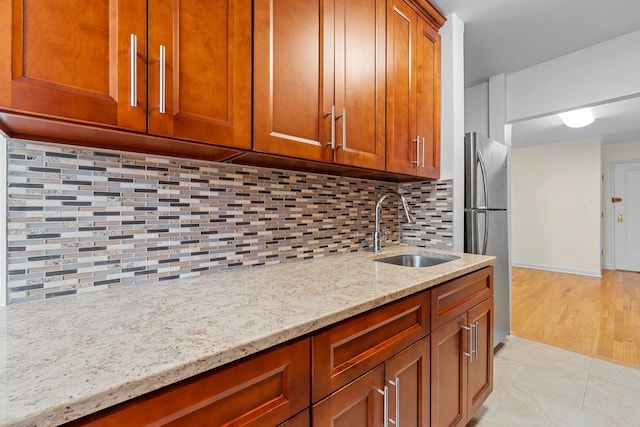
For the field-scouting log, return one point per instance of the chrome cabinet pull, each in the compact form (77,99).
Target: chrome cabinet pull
(423,165)
(344,128)
(417,141)
(332,113)
(385,393)
(396,384)
(469,354)
(477,326)
(163,77)
(133,51)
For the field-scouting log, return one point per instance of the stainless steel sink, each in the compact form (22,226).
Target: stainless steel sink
(418,260)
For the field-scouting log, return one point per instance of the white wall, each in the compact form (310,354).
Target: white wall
(497,107)
(556,207)
(452,119)
(594,75)
(612,153)
(476,109)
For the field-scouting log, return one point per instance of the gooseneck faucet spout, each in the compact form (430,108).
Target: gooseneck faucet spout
(379,236)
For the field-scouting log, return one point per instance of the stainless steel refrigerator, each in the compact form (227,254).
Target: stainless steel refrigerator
(486,228)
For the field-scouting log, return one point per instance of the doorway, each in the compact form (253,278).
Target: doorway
(625,215)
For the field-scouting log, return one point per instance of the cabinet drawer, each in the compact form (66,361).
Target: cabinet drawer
(347,350)
(457,296)
(265,389)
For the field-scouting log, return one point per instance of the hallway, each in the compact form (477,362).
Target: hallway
(588,315)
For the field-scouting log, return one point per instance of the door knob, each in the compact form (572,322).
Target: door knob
(620,218)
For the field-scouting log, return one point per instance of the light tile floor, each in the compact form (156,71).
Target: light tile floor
(536,385)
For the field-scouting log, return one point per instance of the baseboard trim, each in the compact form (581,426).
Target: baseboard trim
(608,267)
(559,269)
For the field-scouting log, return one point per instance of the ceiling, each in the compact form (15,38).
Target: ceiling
(504,36)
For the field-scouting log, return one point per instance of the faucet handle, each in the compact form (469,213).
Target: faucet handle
(383,234)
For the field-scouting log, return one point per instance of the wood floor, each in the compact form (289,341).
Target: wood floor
(596,317)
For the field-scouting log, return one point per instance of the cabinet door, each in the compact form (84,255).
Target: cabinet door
(293,78)
(480,380)
(449,374)
(300,420)
(401,146)
(75,59)
(360,82)
(358,404)
(202,89)
(408,379)
(428,100)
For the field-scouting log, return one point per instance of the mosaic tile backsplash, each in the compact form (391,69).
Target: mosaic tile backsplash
(83,220)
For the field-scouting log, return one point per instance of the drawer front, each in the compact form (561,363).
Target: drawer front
(262,390)
(345,351)
(459,295)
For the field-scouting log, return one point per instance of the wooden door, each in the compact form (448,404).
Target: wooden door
(401,145)
(407,375)
(358,404)
(428,99)
(449,374)
(360,82)
(75,59)
(293,78)
(480,373)
(202,89)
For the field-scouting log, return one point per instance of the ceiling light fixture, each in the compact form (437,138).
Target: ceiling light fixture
(577,118)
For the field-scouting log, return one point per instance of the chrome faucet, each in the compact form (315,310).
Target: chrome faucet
(379,236)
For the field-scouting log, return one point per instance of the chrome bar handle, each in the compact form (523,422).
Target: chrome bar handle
(385,393)
(332,113)
(133,51)
(344,128)
(163,79)
(477,326)
(396,384)
(423,165)
(417,141)
(469,354)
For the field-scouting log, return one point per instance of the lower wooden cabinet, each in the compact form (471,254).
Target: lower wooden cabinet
(262,390)
(301,420)
(358,404)
(387,366)
(398,389)
(462,366)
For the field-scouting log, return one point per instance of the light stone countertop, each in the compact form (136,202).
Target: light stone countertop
(66,357)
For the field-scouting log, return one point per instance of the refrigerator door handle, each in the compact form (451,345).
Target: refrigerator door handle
(486,233)
(474,232)
(483,170)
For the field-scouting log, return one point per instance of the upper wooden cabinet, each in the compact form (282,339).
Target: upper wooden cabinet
(75,59)
(319,80)
(413,90)
(200,70)
(87,61)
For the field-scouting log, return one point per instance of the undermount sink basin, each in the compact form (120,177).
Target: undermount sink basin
(418,260)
